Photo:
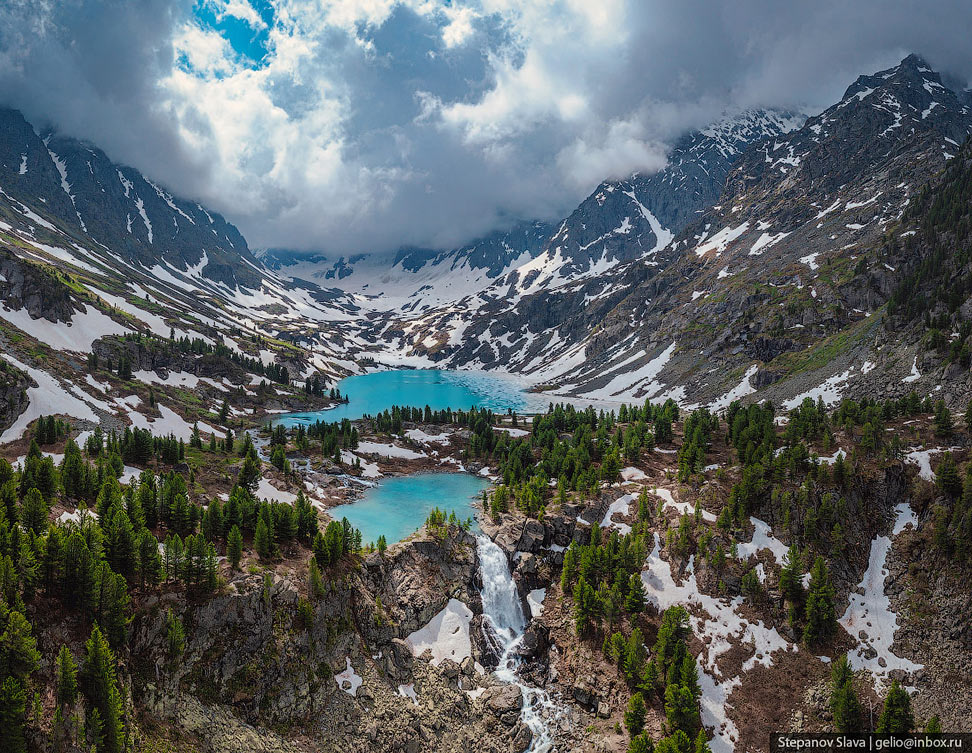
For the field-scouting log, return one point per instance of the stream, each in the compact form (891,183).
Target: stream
(504,613)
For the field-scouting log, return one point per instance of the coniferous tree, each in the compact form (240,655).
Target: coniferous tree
(149,566)
(112,604)
(896,717)
(943,420)
(681,708)
(234,547)
(100,687)
(262,541)
(702,743)
(67,677)
(175,637)
(791,584)
(315,581)
(947,478)
(13,704)
(73,471)
(641,744)
(634,656)
(34,511)
(635,601)
(634,716)
(584,607)
(844,704)
(250,470)
(18,648)
(821,618)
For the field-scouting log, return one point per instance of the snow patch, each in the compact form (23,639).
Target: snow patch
(446,635)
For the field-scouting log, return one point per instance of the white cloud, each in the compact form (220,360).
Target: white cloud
(460,26)
(376,123)
(621,150)
(242,10)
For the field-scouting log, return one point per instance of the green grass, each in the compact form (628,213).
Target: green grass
(828,349)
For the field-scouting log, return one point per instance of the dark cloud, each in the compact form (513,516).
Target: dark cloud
(366,128)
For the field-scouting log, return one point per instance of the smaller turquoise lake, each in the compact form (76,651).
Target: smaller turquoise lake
(398,505)
(377,391)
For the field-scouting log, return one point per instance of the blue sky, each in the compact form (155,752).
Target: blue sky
(363,125)
(248,39)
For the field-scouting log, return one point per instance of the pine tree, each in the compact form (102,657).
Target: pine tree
(262,541)
(18,648)
(934,726)
(821,624)
(681,708)
(13,704)
(790,583)
(635,601)
(584,606)
(896,717)
(100,686)
(947,477)
(315,581)
(844,704)
(677,742)
(641,744)
(943,420)
(634,717)
(702,743)
(635,656)
(67,677)
(112,604)
(234,547)
(250,473)
(34,511)
(175,637)
(73,471)
(149,559)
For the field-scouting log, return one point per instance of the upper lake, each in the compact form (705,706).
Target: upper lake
(376,391)
(397,506)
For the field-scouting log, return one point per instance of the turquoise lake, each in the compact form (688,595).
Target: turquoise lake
(369,394)
(398,505)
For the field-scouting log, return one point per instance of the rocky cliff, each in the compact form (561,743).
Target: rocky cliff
(268,666)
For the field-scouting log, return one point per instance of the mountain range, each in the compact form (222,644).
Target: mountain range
(761,350)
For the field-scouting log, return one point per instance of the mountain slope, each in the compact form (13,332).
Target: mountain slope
(532,313)
(114,205)
(95,258)
(788,258)
(415,279)
(781,283)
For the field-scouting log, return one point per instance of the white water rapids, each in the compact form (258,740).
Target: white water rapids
(504,612)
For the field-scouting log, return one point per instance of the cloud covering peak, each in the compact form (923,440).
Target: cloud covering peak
(366,125)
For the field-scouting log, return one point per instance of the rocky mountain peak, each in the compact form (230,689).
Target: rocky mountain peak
(70,188)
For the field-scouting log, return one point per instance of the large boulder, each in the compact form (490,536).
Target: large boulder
(504,702)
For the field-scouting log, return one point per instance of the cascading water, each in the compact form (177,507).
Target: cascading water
(504,614)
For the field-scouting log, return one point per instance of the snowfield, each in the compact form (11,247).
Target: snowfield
(77,335)
(446,635)
(869,619)
(47,398)
(719,625)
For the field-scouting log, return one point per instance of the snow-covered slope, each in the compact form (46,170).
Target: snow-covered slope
(591,259)
(415,279)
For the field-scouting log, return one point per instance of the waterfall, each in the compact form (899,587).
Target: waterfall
(503,612)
